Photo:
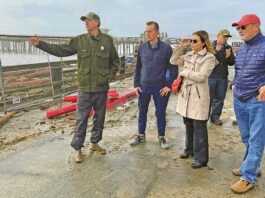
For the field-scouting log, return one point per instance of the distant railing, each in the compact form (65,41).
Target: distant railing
(19,44)
(30,76)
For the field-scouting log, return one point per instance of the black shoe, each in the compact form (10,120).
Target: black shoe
(217,122)
(198,165)
(186,155)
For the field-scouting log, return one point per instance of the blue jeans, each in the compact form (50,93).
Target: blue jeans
(217,88)
(160,106)
(250,117)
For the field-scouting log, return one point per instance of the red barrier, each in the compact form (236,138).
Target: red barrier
(56,112)
(112,95)
(113,101)
(71,98)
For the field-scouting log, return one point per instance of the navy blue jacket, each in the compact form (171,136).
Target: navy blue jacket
(250,68)
(152,65)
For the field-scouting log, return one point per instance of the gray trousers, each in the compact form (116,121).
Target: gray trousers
(85,102)
(197,139)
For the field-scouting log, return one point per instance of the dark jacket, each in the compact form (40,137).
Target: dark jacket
(152,65)
(221,69)
(250,68)
(172,74)
(98,60)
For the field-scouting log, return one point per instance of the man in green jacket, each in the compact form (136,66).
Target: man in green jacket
(98,63)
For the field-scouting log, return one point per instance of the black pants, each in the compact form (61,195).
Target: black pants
(197,139)
(85,102)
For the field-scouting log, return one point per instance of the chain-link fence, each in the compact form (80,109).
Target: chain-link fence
(44,78)
(29,76)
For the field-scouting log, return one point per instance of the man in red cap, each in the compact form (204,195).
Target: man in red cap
(249,99)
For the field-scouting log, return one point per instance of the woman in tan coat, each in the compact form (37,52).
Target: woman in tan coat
(194,98)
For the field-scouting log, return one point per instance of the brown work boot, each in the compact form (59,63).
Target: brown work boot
(236,172)
(98,149)
(78,156)
(242,186)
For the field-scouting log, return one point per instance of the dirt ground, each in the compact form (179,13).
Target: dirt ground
(33,151)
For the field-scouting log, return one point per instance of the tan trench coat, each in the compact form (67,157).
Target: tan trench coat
(194,98)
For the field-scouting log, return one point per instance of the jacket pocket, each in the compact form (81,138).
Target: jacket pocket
(197,90)
(84,59)
(145,59)
(102,60)
(103,76)
(83,76)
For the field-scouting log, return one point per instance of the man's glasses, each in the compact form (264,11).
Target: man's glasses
(194,41)
(243,27)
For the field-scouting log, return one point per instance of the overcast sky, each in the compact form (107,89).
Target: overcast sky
(124,17)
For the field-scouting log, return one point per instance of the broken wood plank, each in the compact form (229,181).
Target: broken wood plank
(6,117)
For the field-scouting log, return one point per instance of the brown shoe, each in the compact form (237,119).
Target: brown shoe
(236,172)
(242,186)
(98,149)
(78,156)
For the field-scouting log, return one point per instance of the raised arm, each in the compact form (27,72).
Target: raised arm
(204,73)
(177,57)
(67,49)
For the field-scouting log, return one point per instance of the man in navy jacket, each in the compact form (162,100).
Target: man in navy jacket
(249,99)
(150,80)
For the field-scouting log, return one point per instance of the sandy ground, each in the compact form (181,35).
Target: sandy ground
(36,159)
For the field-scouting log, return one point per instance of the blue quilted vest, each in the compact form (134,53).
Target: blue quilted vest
(250,68)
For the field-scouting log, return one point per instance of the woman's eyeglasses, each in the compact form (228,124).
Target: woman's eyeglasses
(243,27)
(194,41)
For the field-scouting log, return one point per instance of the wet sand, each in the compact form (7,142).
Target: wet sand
(36,159)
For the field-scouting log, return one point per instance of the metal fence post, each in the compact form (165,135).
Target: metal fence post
(122,65)
(57,80)
(2,87)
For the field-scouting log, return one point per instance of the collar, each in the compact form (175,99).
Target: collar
(158,44)
(254,40)
(95,37)
(202,52)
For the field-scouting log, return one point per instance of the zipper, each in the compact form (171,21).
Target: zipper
(152,55)
(91,60)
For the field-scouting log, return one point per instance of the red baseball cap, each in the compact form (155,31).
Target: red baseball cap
(247,19)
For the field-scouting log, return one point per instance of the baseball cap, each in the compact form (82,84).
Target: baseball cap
(224,32)
(90,15)
(247,19)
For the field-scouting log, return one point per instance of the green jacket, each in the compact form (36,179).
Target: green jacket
(98,60)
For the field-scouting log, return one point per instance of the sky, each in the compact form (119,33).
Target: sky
(125,18)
